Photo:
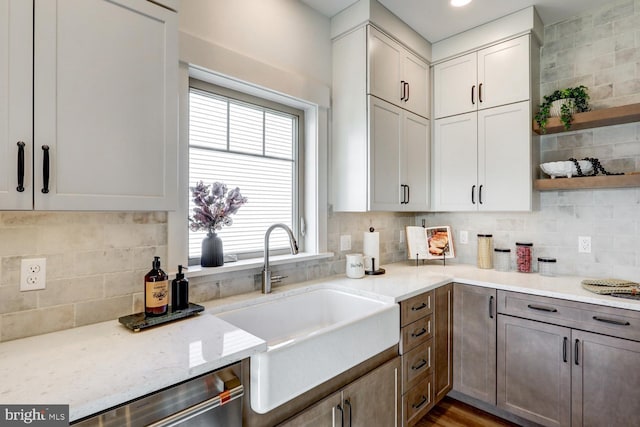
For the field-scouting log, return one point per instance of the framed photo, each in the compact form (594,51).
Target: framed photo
(430,242)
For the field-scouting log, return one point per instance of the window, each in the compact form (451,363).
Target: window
(249,143)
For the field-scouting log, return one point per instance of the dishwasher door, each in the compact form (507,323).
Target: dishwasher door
(211,400)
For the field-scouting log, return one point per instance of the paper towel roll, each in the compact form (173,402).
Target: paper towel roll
(371,246)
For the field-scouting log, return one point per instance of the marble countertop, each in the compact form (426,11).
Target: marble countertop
(99,366)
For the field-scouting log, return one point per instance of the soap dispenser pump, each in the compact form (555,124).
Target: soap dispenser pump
(180,291)
(156,290)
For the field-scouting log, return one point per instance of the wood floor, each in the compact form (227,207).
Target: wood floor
(452,413)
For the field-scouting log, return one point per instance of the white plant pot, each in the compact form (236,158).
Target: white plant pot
(556,106)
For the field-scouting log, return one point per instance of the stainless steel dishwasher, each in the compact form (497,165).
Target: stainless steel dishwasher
(210,400)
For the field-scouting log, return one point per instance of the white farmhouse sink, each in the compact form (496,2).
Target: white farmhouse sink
(312,337)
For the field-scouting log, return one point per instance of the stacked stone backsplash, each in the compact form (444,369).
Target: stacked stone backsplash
(601,50)
(96,264)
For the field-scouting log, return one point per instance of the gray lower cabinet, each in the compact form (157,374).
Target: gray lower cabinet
(605,381)
(474,342)
(371,401)
(551,371)
(534,370)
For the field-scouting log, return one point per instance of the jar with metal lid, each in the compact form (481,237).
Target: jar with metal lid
(547,266)
(523,257)
(501,259)
(485,243)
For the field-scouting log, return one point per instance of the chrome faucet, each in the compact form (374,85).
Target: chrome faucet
(266,273)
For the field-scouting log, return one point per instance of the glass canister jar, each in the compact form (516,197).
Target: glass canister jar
(485,243)
(547,266)
(501,259)
(523,257)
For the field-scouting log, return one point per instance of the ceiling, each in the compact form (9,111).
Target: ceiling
(436,20)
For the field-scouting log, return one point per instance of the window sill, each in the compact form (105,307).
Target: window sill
(249,264)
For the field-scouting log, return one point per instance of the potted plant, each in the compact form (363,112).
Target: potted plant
(576,99)
(213,209)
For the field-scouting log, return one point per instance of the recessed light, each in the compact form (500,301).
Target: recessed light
(460,3)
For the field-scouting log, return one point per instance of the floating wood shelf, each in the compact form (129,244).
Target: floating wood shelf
(591,119)
(588,182)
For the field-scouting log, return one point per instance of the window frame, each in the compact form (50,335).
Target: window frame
(298,156)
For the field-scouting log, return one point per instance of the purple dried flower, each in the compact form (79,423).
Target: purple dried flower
(214,207)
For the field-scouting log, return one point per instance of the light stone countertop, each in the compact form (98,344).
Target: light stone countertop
(99,366)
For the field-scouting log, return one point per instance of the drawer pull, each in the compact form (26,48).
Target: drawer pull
(541,308)
(423,400)
(420,333)
(491,307)
(420,365)
(418,307)
(564,349)
(576,350)
(611,321)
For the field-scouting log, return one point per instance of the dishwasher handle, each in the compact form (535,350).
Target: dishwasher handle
(199,408)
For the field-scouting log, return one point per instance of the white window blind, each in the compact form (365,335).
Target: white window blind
(248,146)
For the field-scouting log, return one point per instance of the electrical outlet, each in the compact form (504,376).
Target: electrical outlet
(584,244)
(401,240)
(464,237)
(33,274)
(345,242)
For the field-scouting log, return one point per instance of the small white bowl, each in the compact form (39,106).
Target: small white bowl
(566,168)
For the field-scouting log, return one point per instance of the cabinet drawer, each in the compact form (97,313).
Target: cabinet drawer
(416,333)
(416,307)
(416,364)
(612,321)
(417,401)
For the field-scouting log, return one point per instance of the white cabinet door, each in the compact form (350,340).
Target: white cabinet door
(455,163)
(385,60)
(503,73)
(504,158)
(455,88)
(415,166)
(416,92)
(384,155)
(397,75)
(105,103)
(16,60)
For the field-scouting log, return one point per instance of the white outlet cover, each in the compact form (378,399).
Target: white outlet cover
(33,274)
(584,244)
(464,237)
(345,242)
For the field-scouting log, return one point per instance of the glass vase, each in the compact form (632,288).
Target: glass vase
(212,252)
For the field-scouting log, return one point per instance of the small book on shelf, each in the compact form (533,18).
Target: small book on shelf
(429,242)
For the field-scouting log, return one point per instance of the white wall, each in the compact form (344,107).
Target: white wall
(285,34)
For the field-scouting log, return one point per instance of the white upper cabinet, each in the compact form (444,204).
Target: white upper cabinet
(483,160)
(104,106)
(381,144)
(396,74)
(16,81)
(497,75)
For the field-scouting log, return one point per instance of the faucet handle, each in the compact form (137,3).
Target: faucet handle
(277,279)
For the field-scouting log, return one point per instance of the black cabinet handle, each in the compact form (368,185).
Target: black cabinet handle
(339,408)
(408,194)
(491,307)
(420,333)
(423,400)
(541,308)
(473,89)
(480,92)
(564,349)
(480,194)
(406,99)
(611,321)
(45,169)
(20,187)
(419,307)
(348,403)
(403,95)
(576,349)
(419,365)
(473,194)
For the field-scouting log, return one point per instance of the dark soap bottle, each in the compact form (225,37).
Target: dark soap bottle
(156,290)
(179,291)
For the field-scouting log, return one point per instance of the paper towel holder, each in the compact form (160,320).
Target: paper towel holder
(374,271)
